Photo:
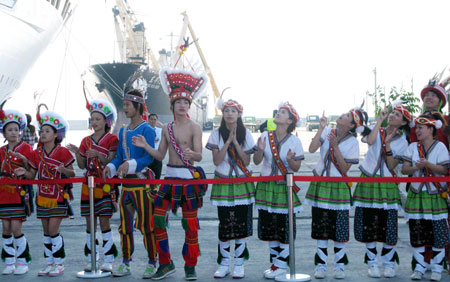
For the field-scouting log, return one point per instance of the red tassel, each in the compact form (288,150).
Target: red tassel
(193,250)
(144,115)
(193,224)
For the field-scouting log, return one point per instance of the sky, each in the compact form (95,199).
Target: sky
(318,55)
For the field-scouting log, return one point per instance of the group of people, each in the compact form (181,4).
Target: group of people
(422,148)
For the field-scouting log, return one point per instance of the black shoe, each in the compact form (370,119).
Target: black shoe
(163,271)
(190,273)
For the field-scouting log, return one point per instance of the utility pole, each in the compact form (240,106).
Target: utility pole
(376,94)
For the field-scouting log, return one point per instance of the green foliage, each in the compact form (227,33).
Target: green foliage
(411,102)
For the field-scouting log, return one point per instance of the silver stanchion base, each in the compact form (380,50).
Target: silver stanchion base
(93,274)
(295,277)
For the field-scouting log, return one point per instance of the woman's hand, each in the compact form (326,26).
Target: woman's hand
(92,153)
(20,171)
(323,121)
(333,140)
(390,136)
(19,156)
(290,155)
(421,163)
(384,114)
(262,143)
(74,149)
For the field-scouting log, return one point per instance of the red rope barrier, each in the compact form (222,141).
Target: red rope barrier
(232,180)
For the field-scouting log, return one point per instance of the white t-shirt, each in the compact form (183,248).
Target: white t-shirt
(349,148)
(228,167)
(269,167)
(375,162)
(437,154)
(158,131)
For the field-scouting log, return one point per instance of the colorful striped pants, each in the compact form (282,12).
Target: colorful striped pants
(191,249)
(136,200)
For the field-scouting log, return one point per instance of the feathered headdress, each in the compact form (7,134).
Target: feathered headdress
(221,104)
(182,84)
(434,85)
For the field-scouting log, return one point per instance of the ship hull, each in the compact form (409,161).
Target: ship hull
(111,80)
(27,28)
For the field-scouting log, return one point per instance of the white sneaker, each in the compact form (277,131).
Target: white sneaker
(21,269)
(339,274)
(238,272)
(57,270)
(9,269)
(389,272)
(106,267)
(222,271)
(320,273)
(275,272)
(122,270)
(46,270)
(149,271)
(417,275)
(88,267)
(435,276)
(374,271)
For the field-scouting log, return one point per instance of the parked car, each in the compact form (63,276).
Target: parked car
(332,121)
(312,122)
(216,121)
(208,125)
(250,123)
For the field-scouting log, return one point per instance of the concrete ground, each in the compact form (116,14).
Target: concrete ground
(73,231)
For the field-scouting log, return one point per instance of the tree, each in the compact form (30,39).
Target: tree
(411,102)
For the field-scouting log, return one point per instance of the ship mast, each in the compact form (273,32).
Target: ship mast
(205,64)
(135,48)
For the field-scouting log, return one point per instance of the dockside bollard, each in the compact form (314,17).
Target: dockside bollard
(94,273)
(292,276)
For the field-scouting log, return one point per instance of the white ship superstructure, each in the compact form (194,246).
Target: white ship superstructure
(26,28)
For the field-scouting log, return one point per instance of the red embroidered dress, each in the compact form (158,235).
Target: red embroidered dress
(11,204)
(50,200)
(103,201)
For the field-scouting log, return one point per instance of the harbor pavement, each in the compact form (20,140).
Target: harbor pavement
(73,231)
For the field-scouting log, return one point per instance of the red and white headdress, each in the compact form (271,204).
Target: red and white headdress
(290,108)
(221,105)
(397,106)
(360,118)
(429,121)
(437,88)
(182,84)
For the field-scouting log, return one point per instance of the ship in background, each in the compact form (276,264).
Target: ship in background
(139,68)
(27,27)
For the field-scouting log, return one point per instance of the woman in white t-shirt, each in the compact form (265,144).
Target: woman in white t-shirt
(377,203)
(281,152)
(330,201)
(426,206)
(232,145)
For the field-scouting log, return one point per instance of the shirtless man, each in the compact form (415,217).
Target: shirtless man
(183,139)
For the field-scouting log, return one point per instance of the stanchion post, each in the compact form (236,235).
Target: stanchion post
(94,273)
(91,185)
(292,276)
